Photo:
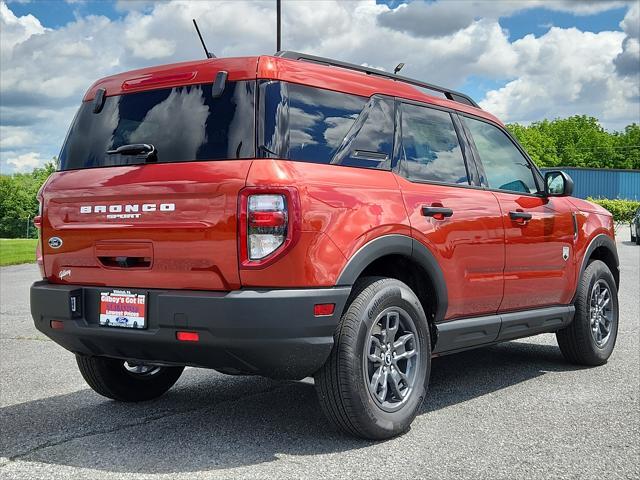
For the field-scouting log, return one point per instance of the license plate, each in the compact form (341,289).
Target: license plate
(122,308)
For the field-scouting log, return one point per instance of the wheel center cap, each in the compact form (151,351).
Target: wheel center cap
(387,358)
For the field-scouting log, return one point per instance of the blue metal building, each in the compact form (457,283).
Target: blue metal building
(604,182)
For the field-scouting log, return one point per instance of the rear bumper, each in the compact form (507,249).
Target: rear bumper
(268,332)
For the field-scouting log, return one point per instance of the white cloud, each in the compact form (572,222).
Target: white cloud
(45,72)
(25,162)
(434,19)
(566,72)
(628,61)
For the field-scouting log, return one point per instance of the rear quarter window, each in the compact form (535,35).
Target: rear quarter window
(322,126)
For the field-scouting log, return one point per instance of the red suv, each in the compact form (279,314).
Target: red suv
(291,216)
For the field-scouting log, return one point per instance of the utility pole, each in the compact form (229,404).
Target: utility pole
(278,26)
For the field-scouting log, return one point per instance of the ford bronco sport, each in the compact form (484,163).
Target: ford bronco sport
(294,216)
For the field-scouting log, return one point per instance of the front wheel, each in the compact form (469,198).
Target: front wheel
(126,381)
(376,376)
(590,338)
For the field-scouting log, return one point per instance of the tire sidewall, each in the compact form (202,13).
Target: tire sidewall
(397,294)
(594,272)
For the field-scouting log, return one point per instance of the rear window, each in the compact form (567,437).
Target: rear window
(183,124)
(322,126)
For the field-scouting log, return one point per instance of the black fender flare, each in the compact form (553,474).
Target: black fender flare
(600,240)
(396,244)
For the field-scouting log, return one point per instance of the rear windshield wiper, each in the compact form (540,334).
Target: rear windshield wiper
(144,150)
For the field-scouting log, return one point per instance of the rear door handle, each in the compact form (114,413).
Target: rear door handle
(520,216)
(438,213)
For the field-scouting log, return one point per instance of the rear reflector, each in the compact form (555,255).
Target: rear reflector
(188,336)
(57,324)
(321,309)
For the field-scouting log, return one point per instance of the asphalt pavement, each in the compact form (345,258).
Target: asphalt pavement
(515,410)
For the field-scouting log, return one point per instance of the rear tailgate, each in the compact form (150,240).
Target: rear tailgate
(146,226)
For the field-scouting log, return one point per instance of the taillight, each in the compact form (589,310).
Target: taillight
(268,224)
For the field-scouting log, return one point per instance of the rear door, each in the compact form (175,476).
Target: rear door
(539,231)
(467,237)
(167,221)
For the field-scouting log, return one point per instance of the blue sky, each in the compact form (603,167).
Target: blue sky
(524,61)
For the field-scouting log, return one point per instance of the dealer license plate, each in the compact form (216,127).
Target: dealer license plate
(122,308)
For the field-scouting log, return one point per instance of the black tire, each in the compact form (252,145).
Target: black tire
(633,237)
(343,382)
(110,378)
(577,342)
(637,239)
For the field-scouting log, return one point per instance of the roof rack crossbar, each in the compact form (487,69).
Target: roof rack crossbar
(448,93)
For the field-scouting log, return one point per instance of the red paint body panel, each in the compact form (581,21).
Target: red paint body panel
(535,272)
(174,75)
(192,247)
(469,245)
(339,213)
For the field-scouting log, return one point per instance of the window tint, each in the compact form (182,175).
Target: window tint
(430,148)
(183,123)
(305,123)
(322,126)
(506,168)
(369,142)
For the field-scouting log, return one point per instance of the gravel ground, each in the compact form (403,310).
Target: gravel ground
(516,410)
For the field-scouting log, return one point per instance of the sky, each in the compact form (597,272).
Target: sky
(522,60)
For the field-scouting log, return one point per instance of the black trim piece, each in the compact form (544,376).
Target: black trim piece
(425,258)
(433,211)
(219,83)
(515,215)
(98,100)
(473,173)
(575,225)
(398,245)
(268,332)
(600,240)
(524,324)
(453,95)
(466,333)
(375,249)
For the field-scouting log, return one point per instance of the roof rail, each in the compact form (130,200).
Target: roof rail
(448,93)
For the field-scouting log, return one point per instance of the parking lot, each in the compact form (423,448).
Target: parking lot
(515,410)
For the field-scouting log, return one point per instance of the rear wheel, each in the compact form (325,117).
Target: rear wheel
(591,337)
(376,376)
(634,238)
(126,381)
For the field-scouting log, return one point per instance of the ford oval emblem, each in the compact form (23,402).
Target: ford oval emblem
(55,242)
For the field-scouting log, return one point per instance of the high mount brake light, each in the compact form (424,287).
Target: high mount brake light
(268,224)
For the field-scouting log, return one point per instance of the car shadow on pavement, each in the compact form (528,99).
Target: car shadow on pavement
(210,421)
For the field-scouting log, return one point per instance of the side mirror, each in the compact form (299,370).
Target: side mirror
(557,184)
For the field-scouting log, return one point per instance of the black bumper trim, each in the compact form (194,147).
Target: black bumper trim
(267,332)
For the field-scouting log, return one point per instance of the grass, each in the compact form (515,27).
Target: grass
(14,251)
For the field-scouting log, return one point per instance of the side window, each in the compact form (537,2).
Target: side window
(430,148)
(506,168)
(305,123)
(369,142)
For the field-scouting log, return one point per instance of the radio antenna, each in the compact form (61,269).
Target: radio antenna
(206,52)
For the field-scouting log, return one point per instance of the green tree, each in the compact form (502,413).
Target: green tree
(18,202)
(579,141)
